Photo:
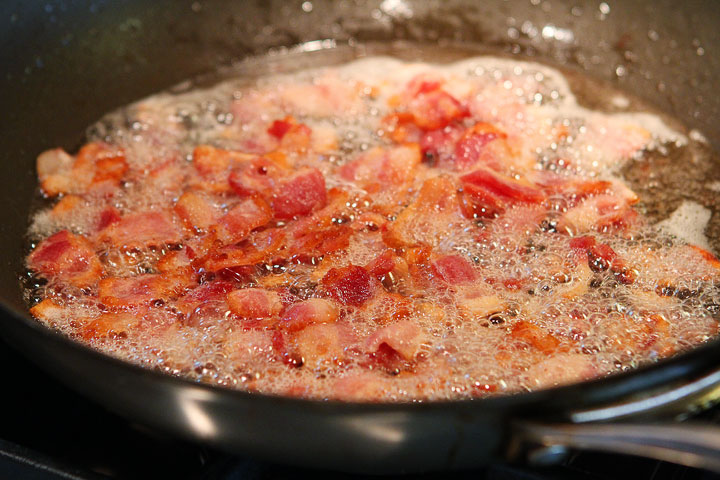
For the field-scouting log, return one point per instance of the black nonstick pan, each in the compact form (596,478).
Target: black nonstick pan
(65,63)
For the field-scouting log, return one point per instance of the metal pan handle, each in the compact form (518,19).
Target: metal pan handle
(689,444)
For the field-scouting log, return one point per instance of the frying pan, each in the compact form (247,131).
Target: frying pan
(65,63)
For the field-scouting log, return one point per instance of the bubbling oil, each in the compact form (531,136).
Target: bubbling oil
(599,321)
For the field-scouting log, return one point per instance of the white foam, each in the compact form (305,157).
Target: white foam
(688,223)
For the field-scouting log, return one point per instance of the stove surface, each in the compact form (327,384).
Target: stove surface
(48,432)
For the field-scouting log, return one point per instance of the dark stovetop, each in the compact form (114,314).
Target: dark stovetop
(48,432)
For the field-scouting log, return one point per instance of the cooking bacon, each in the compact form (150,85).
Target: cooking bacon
(254,303)
(242,219)
(66,257)
(454,269)
(141,289)
(309,312)
(351,285)
(299,195)
(140,229)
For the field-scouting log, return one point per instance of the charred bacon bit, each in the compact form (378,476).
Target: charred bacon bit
(299,195)
(351,285)
(311,311)
(66,257)
(254,303)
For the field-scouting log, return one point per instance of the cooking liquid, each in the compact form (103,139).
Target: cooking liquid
(459,357)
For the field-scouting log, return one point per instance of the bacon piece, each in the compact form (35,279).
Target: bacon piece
(561,369)
(196,211)
(141,289)
(66,205)
(404,337)
(141,229)
(214,292)
(383,264)
(110,325)
(320,242)
(53,169)
(491,193)
(259,176)
(454,269)
(107,217)
(319,343)
(242,219)
(245,346)
(435,108)
(472,147)
(383,168)
(66,257)
(601,257)
(48,311)
(299,195)
(97,163)
(258,248)
(534,336)
(351,285)
(211,162)
(254,303)
(413,226)
(174,260)
(310,312)
(279,128)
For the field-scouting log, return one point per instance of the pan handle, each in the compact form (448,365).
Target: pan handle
(692,445)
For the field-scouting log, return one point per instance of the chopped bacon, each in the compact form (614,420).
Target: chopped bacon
(207,293)
(535,336)
(471,148)
(383,264)
(320,342)
(66,205)
(260,247)
(53,169)
(242,219)
(601,257)
(279,128)
(561,369)
(254,303)
(300,194)
(404,337)
(492,192)
(48,311)
(383,168)
(413,227)
(292,136)
(351,285)
(454,269)
(320,242)
(107,217)
(141,289)
(309,312)
(66,257)
(244,346)
(140,229)
(259,176)
(435,109)
(110,325)
(196,211)
(210,161)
